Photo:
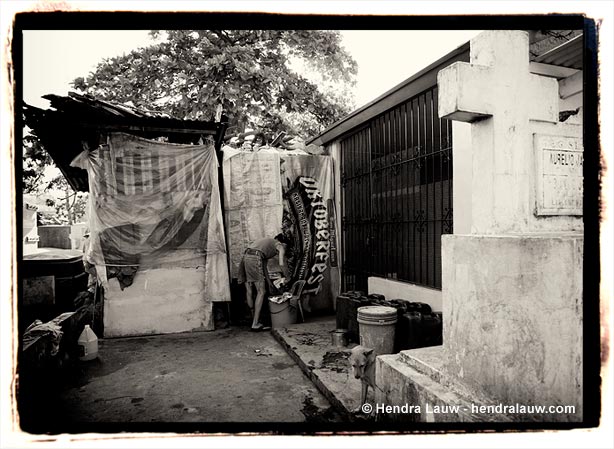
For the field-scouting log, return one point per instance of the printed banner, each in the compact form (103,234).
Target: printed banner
(309,220)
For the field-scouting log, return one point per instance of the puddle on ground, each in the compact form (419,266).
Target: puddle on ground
(315,414)
(280,365)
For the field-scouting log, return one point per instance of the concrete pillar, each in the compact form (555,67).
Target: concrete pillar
(512,271)
(512,278)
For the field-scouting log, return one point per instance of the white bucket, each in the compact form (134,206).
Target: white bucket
(377,328)
(88,344)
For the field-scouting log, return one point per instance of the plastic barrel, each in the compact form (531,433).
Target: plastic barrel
(355,303)
(283,314)
(377,328)
(342,314)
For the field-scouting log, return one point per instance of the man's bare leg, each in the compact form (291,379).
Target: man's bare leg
(260,292)
(249,297)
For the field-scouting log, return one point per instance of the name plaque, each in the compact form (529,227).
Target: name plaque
(560,163)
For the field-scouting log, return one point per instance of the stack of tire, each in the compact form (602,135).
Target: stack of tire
(417,325)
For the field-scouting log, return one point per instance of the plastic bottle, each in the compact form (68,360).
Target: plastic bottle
(88,344)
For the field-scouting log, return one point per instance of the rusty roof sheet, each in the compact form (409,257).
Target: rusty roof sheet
(78,119)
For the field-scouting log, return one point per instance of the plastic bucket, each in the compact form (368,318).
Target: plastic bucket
(283,314)
(339,338)
(376,327)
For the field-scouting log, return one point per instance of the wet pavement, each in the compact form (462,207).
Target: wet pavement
(226,376)
(328,366)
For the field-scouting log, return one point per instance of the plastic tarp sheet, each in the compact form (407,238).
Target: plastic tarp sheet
(155,204)
(252,199)
(270,191)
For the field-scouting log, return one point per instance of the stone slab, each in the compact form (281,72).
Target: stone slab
(428,361)
(432,401)
(559,176)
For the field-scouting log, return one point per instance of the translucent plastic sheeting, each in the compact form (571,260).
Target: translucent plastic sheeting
(154,203)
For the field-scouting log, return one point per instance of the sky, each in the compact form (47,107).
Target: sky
(53,58)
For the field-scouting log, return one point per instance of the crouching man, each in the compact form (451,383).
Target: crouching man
(253,272)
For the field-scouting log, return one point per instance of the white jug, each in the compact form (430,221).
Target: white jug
(88,344)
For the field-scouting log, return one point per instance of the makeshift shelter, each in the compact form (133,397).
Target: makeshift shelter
(156,233)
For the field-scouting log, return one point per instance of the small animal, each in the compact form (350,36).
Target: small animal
(362,360)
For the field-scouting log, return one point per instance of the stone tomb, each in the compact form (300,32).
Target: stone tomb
(512,272)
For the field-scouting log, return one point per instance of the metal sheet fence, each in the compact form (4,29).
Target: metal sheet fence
(397,195)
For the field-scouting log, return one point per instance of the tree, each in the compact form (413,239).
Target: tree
(252,74)
(42,179)
(70,206)
(35,161)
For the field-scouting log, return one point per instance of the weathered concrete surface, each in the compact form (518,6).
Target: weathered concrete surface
(231,375)
(512,272)
(310,345)
(160,300)
(392,289)
(54,236)
(432,398)
(512,334)
(500,162)
(513,317)
(170,293)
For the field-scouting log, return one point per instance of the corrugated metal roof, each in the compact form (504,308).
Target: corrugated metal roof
(76,119)
(568,54)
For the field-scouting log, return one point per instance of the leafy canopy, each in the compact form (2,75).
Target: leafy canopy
(251,73)
(35,160)
(42,180)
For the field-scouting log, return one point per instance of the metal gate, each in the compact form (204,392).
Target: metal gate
(397,195)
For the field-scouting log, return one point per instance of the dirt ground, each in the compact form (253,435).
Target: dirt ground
(226,376)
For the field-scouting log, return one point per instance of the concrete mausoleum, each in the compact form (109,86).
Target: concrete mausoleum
(512,270)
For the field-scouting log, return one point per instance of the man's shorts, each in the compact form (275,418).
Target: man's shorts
(252,269)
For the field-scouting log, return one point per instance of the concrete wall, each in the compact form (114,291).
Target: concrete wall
(155,304)
(513,316)
(77,231)
(164,298)
(570,96)
(54,236)
(405,290)
(30,230)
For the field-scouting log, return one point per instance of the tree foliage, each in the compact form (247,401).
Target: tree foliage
(41,178)
(70,206)
(35,161)
(251,73)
